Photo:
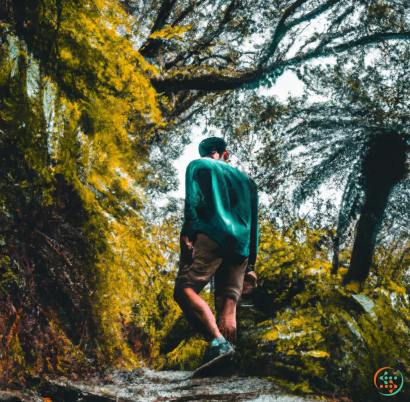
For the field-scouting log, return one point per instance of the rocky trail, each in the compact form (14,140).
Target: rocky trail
(144,385)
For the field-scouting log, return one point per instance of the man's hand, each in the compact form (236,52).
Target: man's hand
(227,318)
(249,283)
(188,243)
(227,327)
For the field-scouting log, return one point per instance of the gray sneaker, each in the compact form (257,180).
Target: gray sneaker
(218,349)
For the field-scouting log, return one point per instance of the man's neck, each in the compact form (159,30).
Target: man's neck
(219,160)
(210,157)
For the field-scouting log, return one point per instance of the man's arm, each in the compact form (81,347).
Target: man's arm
(190,215)
(254,244)
(250,280)
(195,178)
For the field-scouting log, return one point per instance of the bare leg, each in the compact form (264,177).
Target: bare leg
(226,309)
(198,311)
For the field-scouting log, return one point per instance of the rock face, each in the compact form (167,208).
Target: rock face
(152,386)
(9,397)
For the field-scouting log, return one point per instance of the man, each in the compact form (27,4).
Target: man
(219,238)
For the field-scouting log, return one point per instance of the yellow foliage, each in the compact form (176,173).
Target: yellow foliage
(271,335)
(89,114)
(187,355)
(317,353)
(319,332)
(95,150)
(353,287)
(170,32)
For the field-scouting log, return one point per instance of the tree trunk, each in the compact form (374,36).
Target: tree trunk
(367,230)
(335,261)
(384,165)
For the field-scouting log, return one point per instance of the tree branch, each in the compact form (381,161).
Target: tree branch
(186,103)
(219,82)
(325,52)
(280,31)
(151,45)
(186,12)
(209,82)
(163,14)
(208,38)
(313,14)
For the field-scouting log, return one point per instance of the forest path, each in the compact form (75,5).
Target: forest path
(144,385)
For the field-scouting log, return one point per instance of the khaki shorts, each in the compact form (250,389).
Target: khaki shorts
(208,259)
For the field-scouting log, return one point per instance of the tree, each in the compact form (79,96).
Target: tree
(357,139)
(383,167)
(214,54)
(88,92)
(199,68)
(371,131)
(204,49)
(76,114)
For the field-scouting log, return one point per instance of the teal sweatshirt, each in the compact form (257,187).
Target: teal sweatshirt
(222,202)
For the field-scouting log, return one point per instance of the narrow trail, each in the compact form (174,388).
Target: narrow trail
(144,385)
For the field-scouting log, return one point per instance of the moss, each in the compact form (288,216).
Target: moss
(187,355)
(73,257)
(326,338)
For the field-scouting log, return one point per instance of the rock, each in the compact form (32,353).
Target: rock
(156,386)
(366,303)
(9,397)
